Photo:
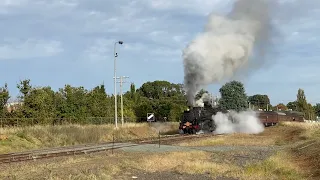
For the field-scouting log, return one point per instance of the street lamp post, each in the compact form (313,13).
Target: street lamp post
(115,85)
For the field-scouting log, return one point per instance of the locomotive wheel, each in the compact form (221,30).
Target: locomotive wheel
(184,131)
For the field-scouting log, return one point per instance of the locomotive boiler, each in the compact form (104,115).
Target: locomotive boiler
(199,119)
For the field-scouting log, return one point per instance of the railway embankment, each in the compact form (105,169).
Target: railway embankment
(285,151)
(14,139)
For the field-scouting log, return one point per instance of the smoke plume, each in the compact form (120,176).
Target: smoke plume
(205,98)
(244,122)
(225,46)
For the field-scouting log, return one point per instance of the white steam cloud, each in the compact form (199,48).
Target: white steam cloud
(244,122)
(205,98)
(225,47)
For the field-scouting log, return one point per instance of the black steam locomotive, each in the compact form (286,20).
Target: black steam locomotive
(198,119)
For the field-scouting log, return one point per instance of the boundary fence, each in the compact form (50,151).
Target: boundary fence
(23,122)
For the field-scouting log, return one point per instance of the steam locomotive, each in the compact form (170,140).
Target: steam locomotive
(198,119)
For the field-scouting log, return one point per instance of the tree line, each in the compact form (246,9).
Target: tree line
(166,100)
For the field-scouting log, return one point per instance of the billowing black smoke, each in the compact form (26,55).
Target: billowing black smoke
(225,47)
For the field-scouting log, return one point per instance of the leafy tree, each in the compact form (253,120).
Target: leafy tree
(76,99)
(292,105)
(24,87)
(317,109)
(163,98)
(304,106)
(260,101)
(98,102)
(158,89)
(142,109)
(200,93)
(311,114)
(4,97)
(233,96)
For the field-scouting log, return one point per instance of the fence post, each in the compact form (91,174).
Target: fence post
(112,141)
(159,139)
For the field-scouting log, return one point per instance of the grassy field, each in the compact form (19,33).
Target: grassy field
(297,158)
(25,138)
(283,134)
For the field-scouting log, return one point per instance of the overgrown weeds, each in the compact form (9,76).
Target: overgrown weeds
(282,134)
(22,138)
(194,162)
(278,166)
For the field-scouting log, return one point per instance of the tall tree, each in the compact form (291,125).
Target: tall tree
(39,103)
(4,97)
(260,101)
(292,105)
(200,93)
(317,109)
(24,87)
(233,96)
(160,89)
(311,114)
(98,102)
(304,106)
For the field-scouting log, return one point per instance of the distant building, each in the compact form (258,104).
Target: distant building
(13,106)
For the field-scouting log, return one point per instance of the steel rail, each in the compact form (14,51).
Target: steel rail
(89,148)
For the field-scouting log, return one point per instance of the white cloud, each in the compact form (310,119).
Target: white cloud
(101,49)
(152,30)
(30,48)
(195,7)
(98,50)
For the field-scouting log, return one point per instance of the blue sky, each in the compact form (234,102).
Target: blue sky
(58,42)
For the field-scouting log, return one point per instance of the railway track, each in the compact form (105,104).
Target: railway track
(91,148)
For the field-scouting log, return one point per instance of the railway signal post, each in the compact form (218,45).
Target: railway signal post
(150,117)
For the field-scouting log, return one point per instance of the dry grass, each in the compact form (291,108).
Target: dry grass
(284,133)
(279,166)
(52,136)
(100,166)
(299,161)
(195,162)
(121,165)
(232,139)
(307,153)
(198,162)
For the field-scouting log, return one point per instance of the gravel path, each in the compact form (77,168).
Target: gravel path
(171,148)
(239,155)
(139,175)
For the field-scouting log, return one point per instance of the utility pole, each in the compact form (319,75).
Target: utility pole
(121,95)
(115,84)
